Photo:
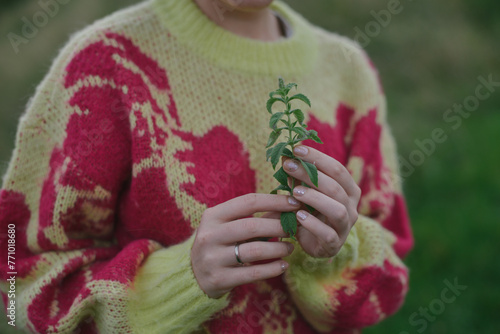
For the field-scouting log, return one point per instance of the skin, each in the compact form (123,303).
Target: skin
(320,235)
(247,18)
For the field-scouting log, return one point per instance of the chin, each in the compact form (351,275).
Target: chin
(247,5)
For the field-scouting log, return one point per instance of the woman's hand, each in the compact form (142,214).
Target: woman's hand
(336,199)
(221,227)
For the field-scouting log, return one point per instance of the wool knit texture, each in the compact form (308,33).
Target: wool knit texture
(152,115)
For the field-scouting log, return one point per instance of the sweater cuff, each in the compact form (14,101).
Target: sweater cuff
(166,297)
(303,263)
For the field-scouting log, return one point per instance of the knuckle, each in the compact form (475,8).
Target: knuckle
(331,239)
(206,216)
(357,192)
(210,258)
(215,280)
(204,237)
(337,169)
(342,213)
(329,249)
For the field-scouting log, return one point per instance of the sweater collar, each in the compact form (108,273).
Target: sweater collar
(291,56)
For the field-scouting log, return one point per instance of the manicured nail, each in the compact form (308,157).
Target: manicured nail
(284,265)
(302,215)
(291,165)
(292,201)
(290,248)
(301,150)
(299,191)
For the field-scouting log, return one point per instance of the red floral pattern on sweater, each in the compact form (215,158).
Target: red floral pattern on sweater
(116,216)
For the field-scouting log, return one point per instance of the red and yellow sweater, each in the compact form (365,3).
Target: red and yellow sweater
(153,114)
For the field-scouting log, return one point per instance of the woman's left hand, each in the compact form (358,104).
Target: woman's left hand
(336,198)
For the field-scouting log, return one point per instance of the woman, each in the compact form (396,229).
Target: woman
(139,186)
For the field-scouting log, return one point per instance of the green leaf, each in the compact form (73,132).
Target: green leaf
(314,136)
(311,170)
(274,93)
(288,153)
(281,176)
(300,131)
(289,223)
(274,119)
(301,97)
(310,208)
(291,85)
(299,115)
(268,153)
(287,88)
(281,187)
(271,102)
(273,137)
(276,153)
(281,82)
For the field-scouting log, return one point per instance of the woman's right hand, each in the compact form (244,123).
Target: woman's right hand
(223,226)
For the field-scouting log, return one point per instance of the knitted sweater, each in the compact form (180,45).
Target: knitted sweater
(154,114)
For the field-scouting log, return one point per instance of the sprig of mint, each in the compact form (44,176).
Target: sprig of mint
(291,122)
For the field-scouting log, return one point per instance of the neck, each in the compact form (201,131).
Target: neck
(259,24)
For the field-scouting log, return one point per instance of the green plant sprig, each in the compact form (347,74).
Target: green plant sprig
(290,121)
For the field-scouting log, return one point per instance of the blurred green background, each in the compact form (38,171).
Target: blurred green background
(429,56)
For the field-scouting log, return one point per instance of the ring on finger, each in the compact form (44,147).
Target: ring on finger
(237,254)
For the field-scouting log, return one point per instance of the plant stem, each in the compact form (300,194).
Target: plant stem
(290,139)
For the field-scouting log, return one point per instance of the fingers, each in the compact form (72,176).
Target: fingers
(249,274)
(326,184)
(329,240)
(246,205)
(330,167)
(337,214)
(257,251)
(248,228)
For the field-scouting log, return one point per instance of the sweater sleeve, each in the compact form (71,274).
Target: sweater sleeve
(58,203)
(367,280)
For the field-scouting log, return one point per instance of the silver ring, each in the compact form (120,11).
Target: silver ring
(237,253)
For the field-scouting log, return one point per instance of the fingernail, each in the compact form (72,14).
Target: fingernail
(291,165)
(284,265)
(301,150)
(299,191)
(290,248)
(302,215)
(292,201)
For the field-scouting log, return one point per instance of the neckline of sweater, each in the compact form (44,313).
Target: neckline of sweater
(288,56)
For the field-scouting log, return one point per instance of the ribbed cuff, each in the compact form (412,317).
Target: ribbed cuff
(166,297)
